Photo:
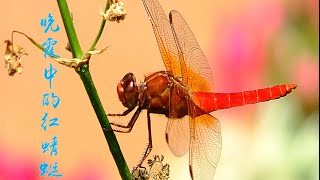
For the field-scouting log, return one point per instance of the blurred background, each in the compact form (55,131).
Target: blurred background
(249,45)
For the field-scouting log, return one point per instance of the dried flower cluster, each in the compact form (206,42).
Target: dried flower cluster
(116,11)
(12,58)
(157,170)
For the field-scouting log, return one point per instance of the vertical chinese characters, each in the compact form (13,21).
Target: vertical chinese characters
(48,99)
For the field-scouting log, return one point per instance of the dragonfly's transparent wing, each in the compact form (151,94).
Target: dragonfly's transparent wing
(178,135)
(178,130)
(205,144)
(163,32)
(198,75)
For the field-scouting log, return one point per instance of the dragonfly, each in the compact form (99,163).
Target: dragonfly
(184,94)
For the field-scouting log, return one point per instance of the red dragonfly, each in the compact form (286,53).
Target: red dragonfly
(184,94)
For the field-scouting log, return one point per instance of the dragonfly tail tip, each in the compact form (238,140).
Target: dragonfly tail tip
(292,86)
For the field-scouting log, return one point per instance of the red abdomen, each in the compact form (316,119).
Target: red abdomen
(209,101)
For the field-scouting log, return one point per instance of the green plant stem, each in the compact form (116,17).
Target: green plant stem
(103,22)
(30,39)
(105,125)
(71,33)
(85,76)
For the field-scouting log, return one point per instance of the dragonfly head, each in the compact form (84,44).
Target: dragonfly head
(128,91)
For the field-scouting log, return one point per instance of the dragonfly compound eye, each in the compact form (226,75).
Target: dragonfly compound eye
(128,90)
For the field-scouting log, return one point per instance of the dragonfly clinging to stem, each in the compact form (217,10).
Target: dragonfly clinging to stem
(184,93)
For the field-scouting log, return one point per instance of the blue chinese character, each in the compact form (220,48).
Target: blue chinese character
(53,146)
(45,147)
(43,168)
(50,73)
(48,48)
(55,100)
(54,170)
(48,26)
(53,121)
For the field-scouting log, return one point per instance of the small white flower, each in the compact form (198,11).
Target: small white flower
(158,171)
(116,11)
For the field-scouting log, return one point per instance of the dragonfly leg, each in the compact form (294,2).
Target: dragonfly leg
(124,113)
(128,127)
(149,144)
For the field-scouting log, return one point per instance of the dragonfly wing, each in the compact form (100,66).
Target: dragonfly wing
(198,75)
(163,33)
(205,144)
(178,135)
(178,131)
